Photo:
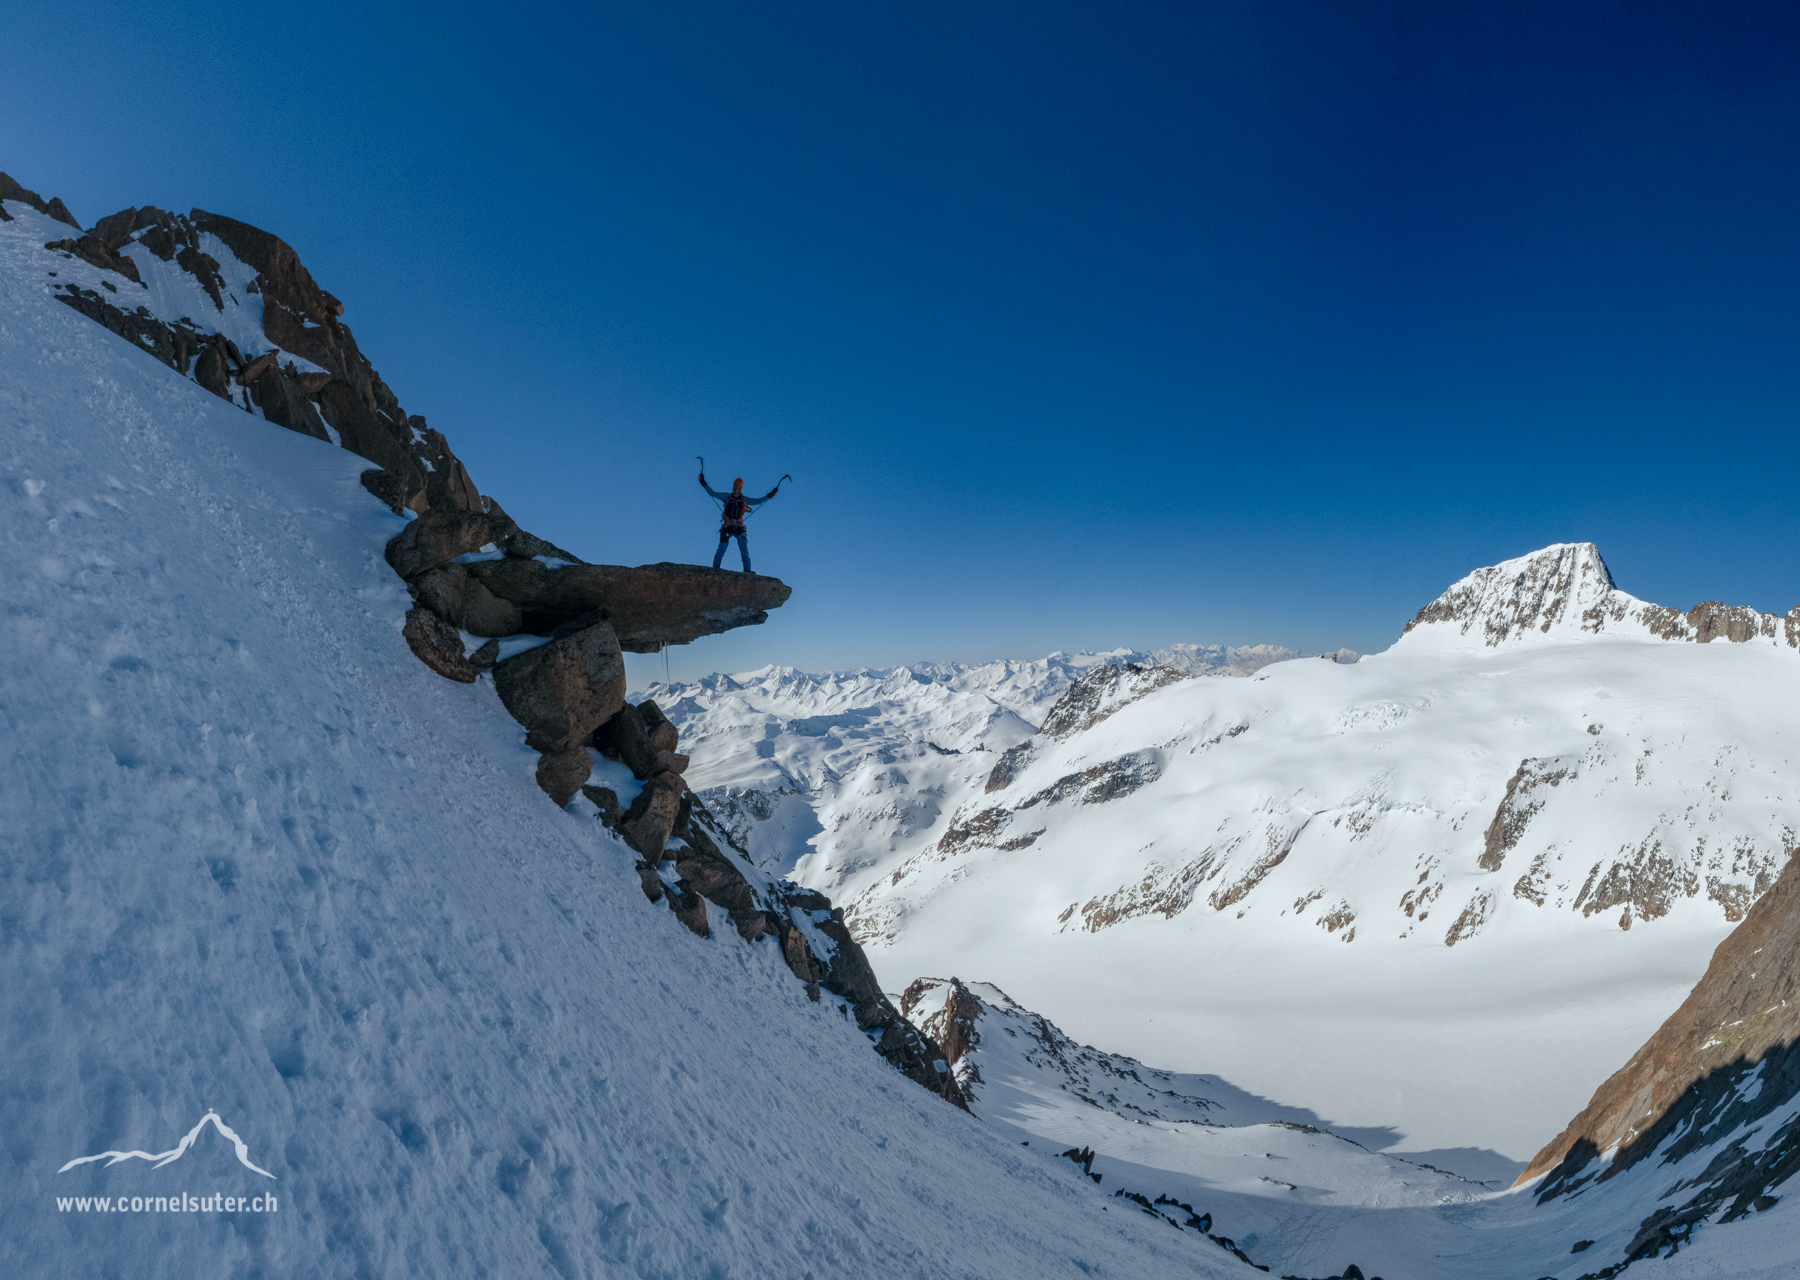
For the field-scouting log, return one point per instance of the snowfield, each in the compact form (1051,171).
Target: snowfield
(1303,1201)
(1436,895)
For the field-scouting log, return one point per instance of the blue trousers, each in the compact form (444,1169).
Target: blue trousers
(743,549)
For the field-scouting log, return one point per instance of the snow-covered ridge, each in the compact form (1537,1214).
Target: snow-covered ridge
(837,768)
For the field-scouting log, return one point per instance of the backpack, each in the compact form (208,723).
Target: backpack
(736,508)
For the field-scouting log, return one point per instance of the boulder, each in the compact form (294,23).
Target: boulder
(650,606)
(714,877)
(564,690)
(55,208)
(437,644)
(562,773)
(362,429)
(448,486)
(689,908)
(663,735)
(670,762)
(484,658)
(632,744)
(622,738)
(211,370)
(442,590)
(436,538)
(647,824)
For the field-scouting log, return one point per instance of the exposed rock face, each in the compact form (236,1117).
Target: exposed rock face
(1011,761)
(564,690)
(92,250)
(53,207)
(650,606)
(1713,620)
(1567,589)
(344,393)
(1101,692)
(1523,798)
(402,491)
(1727,1057)
(278,393)
(953,1025)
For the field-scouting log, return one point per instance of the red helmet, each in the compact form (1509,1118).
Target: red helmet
(738,483)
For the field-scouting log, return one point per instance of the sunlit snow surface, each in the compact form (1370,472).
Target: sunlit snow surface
(256,859)
(1339,813)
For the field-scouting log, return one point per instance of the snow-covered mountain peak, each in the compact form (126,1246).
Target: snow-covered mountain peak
(1560,590)
(1565,591)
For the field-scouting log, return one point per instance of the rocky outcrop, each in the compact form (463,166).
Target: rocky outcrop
(953,1024)
(91,249)
(1729,1056)
(1008,767)
(1524,797)
(1102,692)
(651,606)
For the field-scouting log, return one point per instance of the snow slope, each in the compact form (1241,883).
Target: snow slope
(1305,1201)
(255,859)
(1442,892)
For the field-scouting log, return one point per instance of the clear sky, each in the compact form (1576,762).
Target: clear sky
(1077,325)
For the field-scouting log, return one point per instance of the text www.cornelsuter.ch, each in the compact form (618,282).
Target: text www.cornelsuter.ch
(183,1203)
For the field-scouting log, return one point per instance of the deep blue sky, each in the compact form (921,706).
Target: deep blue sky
(1078,325)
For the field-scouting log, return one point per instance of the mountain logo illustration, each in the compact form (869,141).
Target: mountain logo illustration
(168,1157)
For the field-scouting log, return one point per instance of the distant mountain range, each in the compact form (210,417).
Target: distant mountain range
(1531,819)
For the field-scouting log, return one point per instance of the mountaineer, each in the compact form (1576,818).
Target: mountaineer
(735,506)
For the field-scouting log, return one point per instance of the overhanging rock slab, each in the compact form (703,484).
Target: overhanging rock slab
(649,606)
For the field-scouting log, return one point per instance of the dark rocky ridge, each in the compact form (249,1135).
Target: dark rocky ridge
(52,208)
(1728,1057)
(566,691)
